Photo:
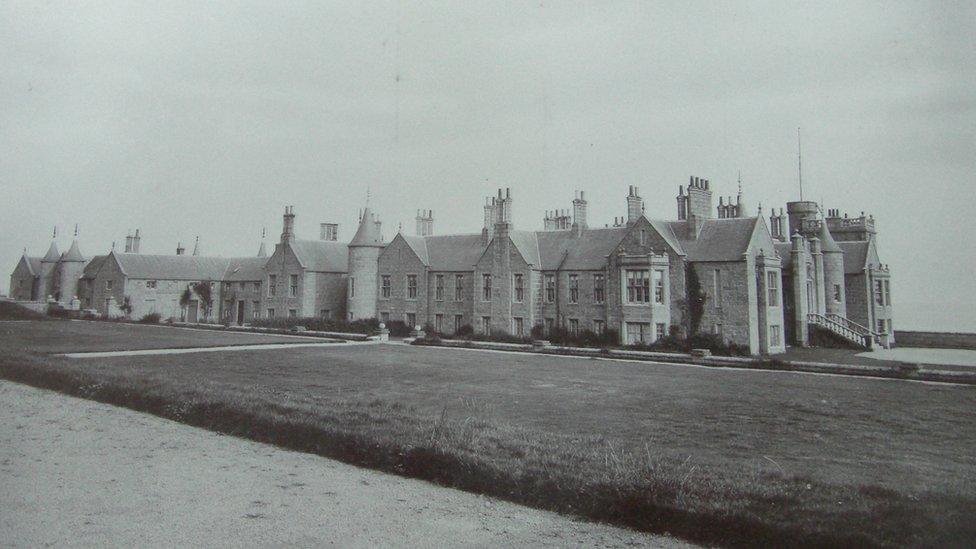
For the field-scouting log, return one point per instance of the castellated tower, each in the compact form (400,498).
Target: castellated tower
(69,271)
(797,212)
(835,297)
(364,253)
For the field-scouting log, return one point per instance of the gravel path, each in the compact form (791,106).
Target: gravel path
(81,473)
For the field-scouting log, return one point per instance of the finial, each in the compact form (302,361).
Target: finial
(76,230)
(55,235)
(799,162)
(367,194)
(264,231)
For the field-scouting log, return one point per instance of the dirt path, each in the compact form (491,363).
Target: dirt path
(81,473)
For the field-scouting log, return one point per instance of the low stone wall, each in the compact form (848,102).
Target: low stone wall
(938,340)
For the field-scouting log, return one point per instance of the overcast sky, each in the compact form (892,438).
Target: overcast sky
(207,118)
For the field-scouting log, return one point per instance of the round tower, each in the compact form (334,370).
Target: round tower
(797,212)
(70,269)
(364,253)
(47,285)
(835,297)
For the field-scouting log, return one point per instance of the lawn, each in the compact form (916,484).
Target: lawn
(63,336)
(713,455)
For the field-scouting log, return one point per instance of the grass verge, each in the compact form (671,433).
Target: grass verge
(586,476)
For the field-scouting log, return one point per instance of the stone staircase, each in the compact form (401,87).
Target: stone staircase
(849,330)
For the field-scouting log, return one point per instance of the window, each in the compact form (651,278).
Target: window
(550,324)
(887,293)
(385,317)
(256,309)
(270,313)
(257,286)
(325,313)
(878,292)
(150,283)
(272,286)
(292,313)
(486,287)
(638,332)
(660,330)
(836,293)
(717,287)
(458,287)
(659,286)
(458,322)
(519,288)
(242,286)
(717,329)
(108,284)
(881,326)
(574,326)
(518,326)
(643,236)
(352,288)
(293,286)
(439,323)
(772,288)
(228,305)
(598,289)
(439,288)
(386,286)
(599,326)
(411,286)
(574,288)
(411,319)
(486,325)
(550,288)
(638,287)
(775,336)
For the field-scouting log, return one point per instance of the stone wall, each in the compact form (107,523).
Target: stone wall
(937,340)
(398,261)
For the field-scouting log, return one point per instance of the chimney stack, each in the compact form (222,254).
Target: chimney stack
(329,231)
(288,225)
(579,213)
(635,205)
(180,250)
(425,222)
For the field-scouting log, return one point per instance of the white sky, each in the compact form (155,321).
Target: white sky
(206,119)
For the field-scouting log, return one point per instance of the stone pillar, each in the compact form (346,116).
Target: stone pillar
(801,330)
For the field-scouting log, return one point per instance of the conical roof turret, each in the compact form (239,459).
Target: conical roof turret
(73,253)
(827,242)
(370,231)
(52,255)
(262,251)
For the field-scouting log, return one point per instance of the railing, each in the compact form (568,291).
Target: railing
(851,331)
(863,330)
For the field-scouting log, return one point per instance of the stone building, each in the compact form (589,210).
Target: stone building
(760,286)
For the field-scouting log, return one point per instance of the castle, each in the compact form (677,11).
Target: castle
(715,268)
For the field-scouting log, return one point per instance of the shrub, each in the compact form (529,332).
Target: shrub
(13,311)
(364,326)
(465,331)
(151,318)
(398,328)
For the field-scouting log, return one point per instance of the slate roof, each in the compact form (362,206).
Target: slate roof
(785,251)
(527,243)
(721,239)
(73,253)
(172,267)
(419,246)
(827,242)
(324,256)
(455,252)
(52,254)
(245,268)
(369,232)
(857,255)
(587,252)
(91,269)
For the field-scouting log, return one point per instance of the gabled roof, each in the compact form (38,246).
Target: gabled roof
(721,239)
(419,246)
(32,264)
(91,269)
(324,256)
(245,268)
(858,255)
(171,267)
(73,253)
(527,244)
(52,254)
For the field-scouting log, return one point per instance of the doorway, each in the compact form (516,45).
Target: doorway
(240,313)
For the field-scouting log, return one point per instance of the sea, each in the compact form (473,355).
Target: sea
(937,317)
